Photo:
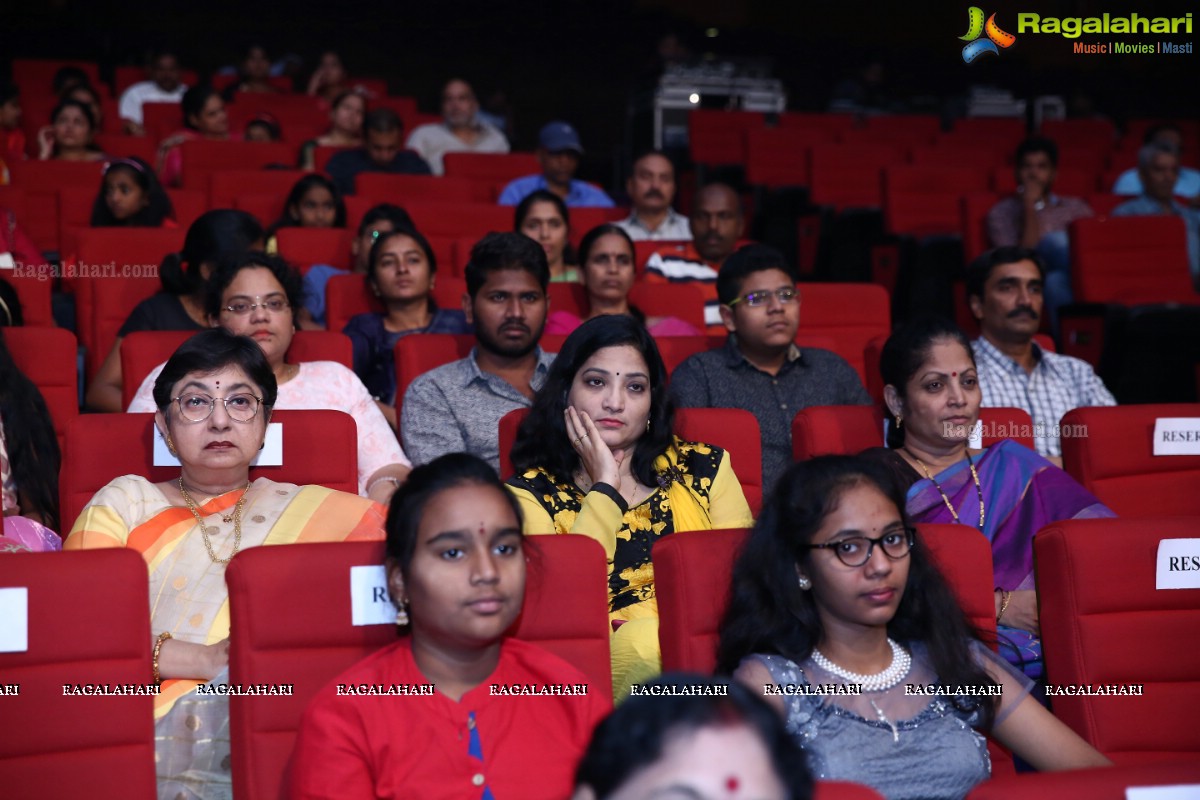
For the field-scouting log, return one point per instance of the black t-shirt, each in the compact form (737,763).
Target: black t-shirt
(162,312)
(344,166)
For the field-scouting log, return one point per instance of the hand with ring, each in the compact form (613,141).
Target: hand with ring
(600,463)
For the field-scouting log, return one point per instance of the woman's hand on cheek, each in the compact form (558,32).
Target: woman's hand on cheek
(601,464)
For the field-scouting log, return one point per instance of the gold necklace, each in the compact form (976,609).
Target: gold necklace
(945,499)
(235,518)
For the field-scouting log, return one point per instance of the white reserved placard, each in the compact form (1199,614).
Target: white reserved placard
(1177,436)
(1178,564)
(370,603)
(270,456)
(14,619)
(1181,791)
(975,440)
(7,262)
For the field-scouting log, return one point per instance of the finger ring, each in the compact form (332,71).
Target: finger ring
(586,435)
(577,441)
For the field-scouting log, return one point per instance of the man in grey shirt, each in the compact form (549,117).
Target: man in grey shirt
(760,369)
(457,407)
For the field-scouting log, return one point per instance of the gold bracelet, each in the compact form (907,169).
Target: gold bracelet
(1005,599)
(162,637)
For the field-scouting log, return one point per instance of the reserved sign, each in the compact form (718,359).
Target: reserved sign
(1177,436)
(1178,565)
(370,603)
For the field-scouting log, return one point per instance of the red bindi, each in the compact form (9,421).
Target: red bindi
(953,374)
(731,783)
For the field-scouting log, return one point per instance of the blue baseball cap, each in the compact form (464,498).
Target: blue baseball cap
(559,136)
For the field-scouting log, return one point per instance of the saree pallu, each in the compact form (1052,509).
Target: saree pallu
(1022,492)
(189,599)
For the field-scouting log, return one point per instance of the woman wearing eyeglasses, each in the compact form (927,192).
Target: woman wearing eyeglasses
(835,610)
(213,401)
(254,295)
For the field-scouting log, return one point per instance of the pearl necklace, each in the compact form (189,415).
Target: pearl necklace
(901,663)
(235,517)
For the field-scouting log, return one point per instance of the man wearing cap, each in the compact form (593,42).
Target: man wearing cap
(559,151)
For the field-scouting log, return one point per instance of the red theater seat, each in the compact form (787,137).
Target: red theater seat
(924,200)
(41,181)
(850,175)
(420,352)
(121,146)
(47,356)
(436,218)
(851,314)
(35,298)
(201,158)
(973,210)
(1101,783)
(829,124)
(843,790)
(490,166)
(778,157)
(225,186)
(1131,260)
(1104,622)
(677,349)
(304,247)
(381,187)
(142,351)
(835,430)
(718,137)
(279,635)
(319,447)
(54,745)
(124,77)
(1111,452)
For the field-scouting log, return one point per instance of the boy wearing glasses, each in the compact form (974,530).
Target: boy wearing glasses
(760,369)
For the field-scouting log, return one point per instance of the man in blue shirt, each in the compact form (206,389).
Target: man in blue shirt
(559,150)
(1187,183)
(1158,169)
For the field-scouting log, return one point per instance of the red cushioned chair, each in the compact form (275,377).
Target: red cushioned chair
(111,303)
(843,790)
(439,218)
(420,352)
(852,314)
(1101,783)
(225,186)
(307,246)
(973,209)
(66,746)
(1070,181)
(35,297)
(47,356)
(732,429)
(1131,260)
(777,157)
(677,349)
(202,157)
(41,181)
(835,430)
(718,137)
(319,447)
(490,166)
(830,124)
(643,249)
(1112,455)
(142,351)
(585,218)
(290,623)
(1104,622)
(382,187)
(850,175)
(922,200)
(684,301)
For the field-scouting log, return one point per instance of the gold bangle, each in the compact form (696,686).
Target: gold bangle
(1005,599)
(162,637)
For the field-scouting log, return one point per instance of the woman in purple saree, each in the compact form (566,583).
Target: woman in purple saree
(1007,491)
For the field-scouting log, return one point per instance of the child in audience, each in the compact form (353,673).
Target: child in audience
(70,134)
(313,202)
(456,566)
(263,128)
(130,195)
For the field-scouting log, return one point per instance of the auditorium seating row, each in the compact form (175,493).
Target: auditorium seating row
(1096,577)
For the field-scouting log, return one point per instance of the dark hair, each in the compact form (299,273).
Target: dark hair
(11,314)
(213,235)
(30,440)
(545,196)
(193,102)
(228,268)
(409,501)
(412,233)
(639,155)
(8,91)
(542,438)
(1151,134)
(589,241)
(158,206)
(741,210)
(1037,144)
(769,613)
(68,77)
(211,350)
(633,737)
(745,262)
(382,120)
(88,89)
(296,196)
(499,251)
(907,349)
(265,120)
(343,96)
(979,270)
(84,109)
(392,213)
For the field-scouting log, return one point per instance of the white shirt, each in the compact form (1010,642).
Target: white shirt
(674,228)
(433,141)
(146,92)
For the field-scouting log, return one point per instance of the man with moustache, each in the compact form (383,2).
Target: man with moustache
(461,131)
(651,188)
(1004,291)
(457,407)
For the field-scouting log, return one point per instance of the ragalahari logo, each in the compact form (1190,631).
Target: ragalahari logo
(996,38)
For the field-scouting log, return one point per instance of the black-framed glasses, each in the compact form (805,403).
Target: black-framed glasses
(272,304)
(854,551)
(196,407)
(786,295)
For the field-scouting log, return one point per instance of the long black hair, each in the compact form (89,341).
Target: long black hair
(634,736)
(542,439)
(193,102)
(30,440)
(769,613)
(213,235)
(158,205)
(906,350)
(296,196)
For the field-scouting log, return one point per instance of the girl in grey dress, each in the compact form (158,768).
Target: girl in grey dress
(839,617)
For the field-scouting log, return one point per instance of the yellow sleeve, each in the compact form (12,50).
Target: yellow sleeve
(599,518)
(97,527)
(727,506)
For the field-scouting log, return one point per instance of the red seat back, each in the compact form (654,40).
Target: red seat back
(304,247)
(924,200)
(47,356)
(677,349)
(852,314)
(835,430)
(418,353)
(1111,452)
(383,187)
(226,185)
(41,181)
(319,447)
(1104,622)
(35,297)
(202,157)
(718,137)
(1098,783)
(54,745)
(490,166)
(1131,260)
(307,638)
(439,218)
(685,301)
(851,175)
